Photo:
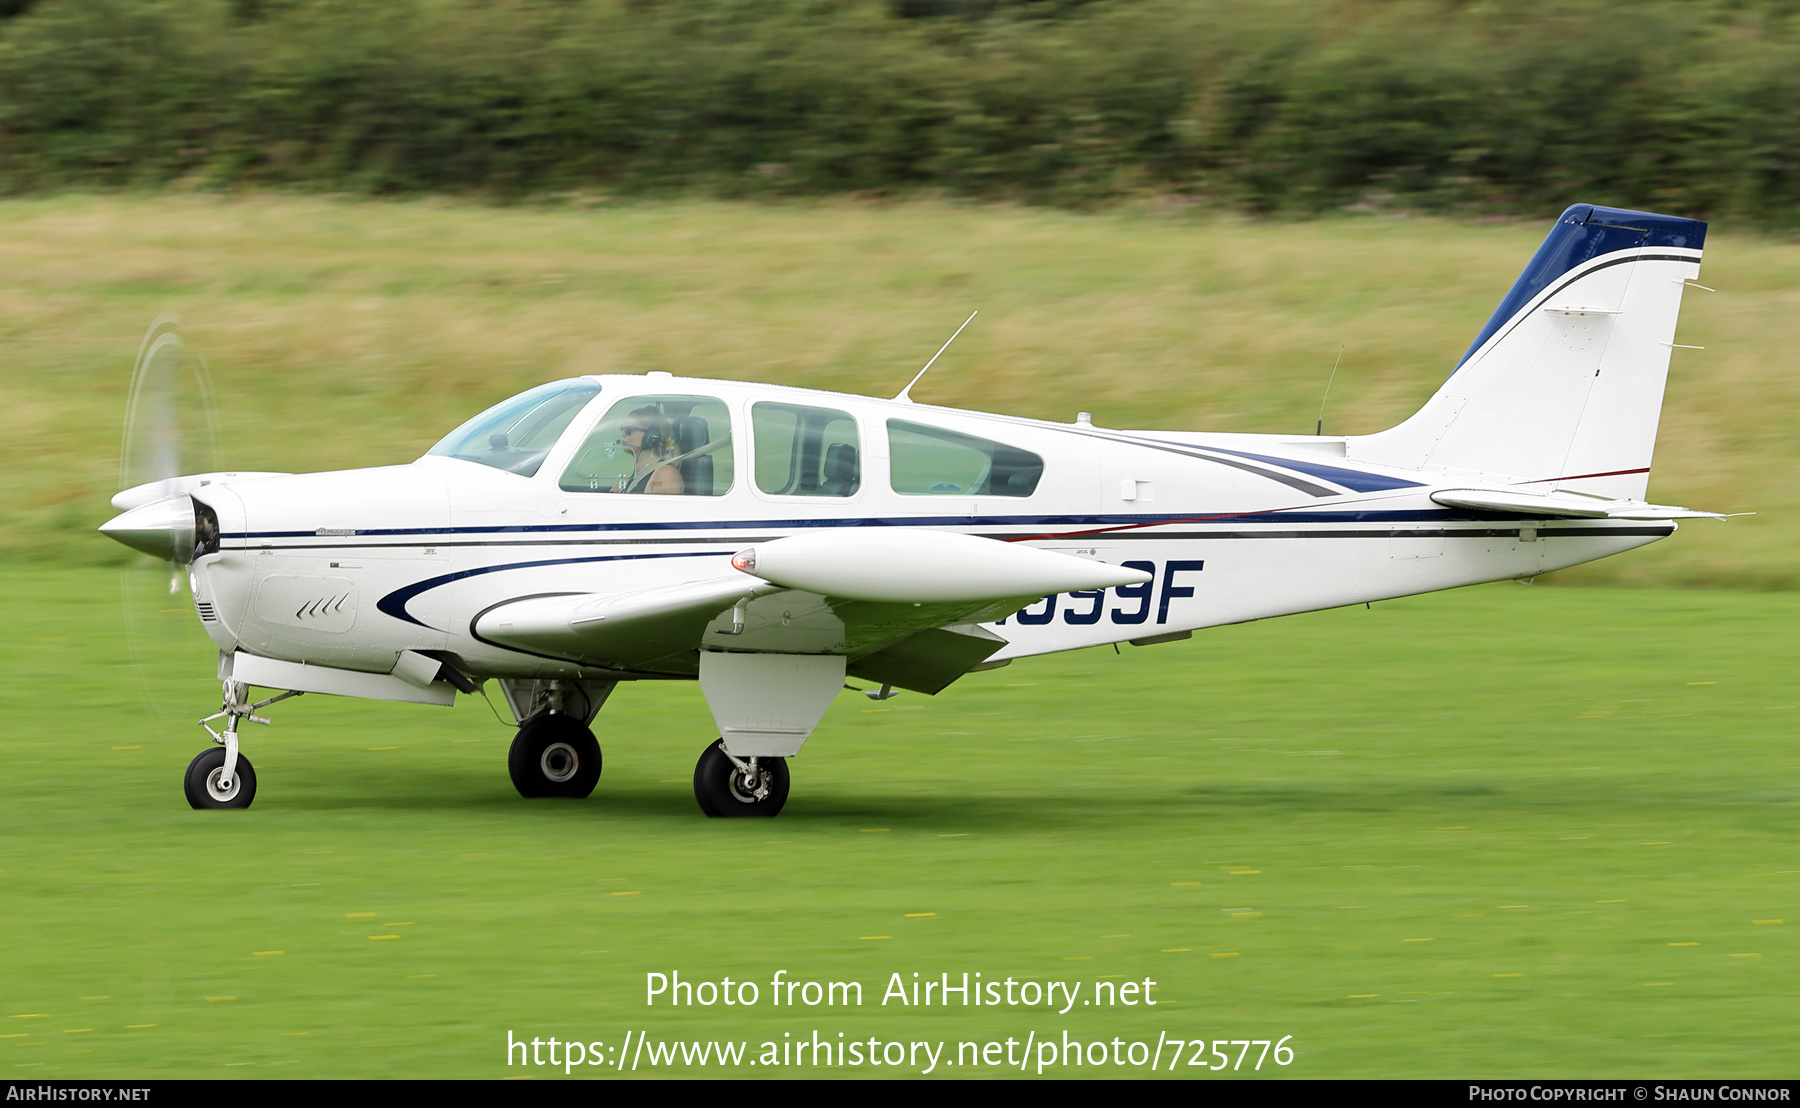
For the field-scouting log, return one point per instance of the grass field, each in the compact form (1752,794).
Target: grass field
(343,333)
(1500,831)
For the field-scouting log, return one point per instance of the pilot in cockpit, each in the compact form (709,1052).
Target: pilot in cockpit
(650,438)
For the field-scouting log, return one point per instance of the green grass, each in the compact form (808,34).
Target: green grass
(344,334)
(1457,835)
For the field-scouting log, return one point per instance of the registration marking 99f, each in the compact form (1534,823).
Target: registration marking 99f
(1162,583)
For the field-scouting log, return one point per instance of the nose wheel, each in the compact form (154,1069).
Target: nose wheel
(554,755)
(727,786)
(207,785)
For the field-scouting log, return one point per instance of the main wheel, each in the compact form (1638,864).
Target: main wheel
(202,781)
(725,790)
(554,756)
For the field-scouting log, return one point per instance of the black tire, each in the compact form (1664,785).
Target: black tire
(205,769)
(554,756)
(723,792)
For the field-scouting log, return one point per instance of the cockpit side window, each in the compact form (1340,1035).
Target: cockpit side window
(516,434)
(805,451)
(667,445)
(930,461)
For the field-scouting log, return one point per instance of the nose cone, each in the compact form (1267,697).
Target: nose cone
(164,529)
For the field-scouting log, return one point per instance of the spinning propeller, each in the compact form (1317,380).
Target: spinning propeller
(170,429)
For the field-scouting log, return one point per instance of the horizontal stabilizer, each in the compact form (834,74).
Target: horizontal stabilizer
(917,566)
(1562,504)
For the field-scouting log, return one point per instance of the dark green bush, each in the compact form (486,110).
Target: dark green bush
(1288,105)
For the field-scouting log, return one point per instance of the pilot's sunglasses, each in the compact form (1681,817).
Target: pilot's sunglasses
(628,430)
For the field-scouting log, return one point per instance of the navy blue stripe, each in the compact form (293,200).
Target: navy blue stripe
(1188,450)
(1349,478)
(1144,519)
(679,525)
(733,524)
(394,603)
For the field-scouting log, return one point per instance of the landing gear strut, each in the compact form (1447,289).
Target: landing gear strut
(729,786)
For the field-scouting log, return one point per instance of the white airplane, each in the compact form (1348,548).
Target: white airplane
(771,541)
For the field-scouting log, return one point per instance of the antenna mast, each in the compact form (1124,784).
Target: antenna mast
(1319,428)
(908,389)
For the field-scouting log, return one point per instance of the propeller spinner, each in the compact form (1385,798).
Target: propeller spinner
(163,529)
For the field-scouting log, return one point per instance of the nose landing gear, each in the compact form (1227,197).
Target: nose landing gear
(223,778)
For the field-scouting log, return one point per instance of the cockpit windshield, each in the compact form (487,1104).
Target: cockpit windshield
(516,434)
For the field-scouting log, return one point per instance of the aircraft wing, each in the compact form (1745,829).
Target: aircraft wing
(903,606)
(1563,504)
(662,630)
(624,630)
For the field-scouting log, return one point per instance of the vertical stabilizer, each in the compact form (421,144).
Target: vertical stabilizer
(1563,387)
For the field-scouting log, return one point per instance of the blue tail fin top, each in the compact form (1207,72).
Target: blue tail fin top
(1584,232)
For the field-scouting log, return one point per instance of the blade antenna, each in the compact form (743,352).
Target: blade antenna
(908,389)
(1319,428)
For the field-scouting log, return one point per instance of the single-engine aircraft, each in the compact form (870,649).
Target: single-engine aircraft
(771,542)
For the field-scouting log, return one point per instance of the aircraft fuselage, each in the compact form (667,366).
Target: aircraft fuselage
(348,569)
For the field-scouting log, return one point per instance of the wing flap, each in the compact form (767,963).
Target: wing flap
(929,660)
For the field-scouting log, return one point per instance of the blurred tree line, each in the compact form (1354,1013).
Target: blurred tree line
(1691,106)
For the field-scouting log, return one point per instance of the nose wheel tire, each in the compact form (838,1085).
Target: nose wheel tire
(724,789)
(554,756)
(202,783)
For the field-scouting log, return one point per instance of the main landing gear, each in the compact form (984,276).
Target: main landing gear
(730,786)
(554,755)
(222,777)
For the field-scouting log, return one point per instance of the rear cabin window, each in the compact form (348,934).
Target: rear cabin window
(658,445)
(805,451)
(930,461)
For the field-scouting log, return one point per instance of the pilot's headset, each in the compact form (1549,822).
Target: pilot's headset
(656,428)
